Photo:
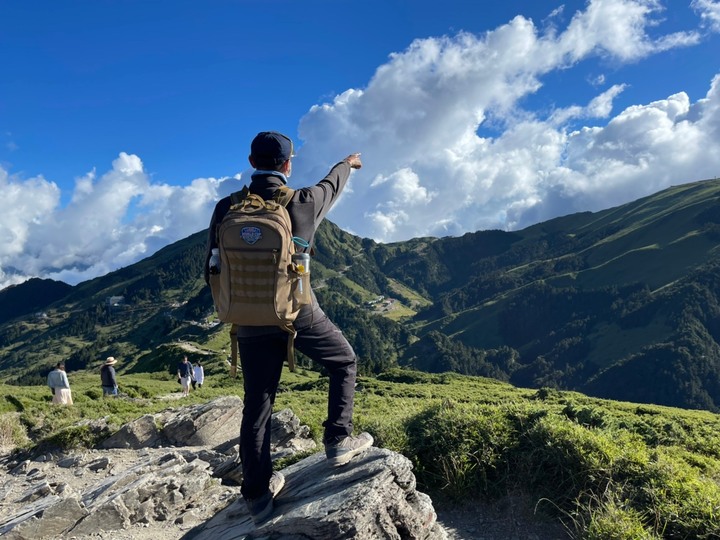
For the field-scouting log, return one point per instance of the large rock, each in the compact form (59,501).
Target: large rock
(51,518)
(113,493)
(372,497)
(157,488)
(215,424)
(140,433)
(129,486)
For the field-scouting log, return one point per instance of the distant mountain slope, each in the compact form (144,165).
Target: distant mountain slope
(622,303)
(590,301)
(31,296)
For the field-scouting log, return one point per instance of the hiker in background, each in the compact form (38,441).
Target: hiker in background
(263,349)
(185,374)
(59,385)
(107,377)
(198,375)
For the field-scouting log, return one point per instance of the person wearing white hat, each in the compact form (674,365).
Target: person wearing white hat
(107,377)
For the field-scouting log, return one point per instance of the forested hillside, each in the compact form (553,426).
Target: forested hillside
(621,303)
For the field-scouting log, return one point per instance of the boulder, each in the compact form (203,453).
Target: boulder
(158,489)
(372,497)
(113,492)
(140,433)
(213,424)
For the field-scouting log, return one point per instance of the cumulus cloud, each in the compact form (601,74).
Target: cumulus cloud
(111,221)
(430,165)
(710,12)
(423,112)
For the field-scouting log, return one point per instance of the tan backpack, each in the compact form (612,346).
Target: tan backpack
(258,280)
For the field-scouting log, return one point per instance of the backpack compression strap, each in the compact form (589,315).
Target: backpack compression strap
(290,329)
(233,350)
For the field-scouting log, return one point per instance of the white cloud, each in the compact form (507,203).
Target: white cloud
(430,165)
(422,111)
(709,12)
(112,221)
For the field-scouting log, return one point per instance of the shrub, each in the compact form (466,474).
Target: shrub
(586,416)
(460,448)
(136,391)
(685,504)
(73,437)
(12,431)
(94,393)
(562,460)
(613,521)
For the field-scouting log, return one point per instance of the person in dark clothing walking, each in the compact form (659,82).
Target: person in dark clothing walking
(185,374)
(107,377)
(263,349)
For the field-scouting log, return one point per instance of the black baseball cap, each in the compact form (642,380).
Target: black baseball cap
(270,149)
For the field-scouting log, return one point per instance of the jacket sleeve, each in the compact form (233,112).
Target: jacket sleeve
(64,380)
(328,190)
(112,376)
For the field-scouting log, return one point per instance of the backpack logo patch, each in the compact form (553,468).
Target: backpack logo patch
(251,234)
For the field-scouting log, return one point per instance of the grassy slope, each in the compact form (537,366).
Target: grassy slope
(607,469)
(656,241)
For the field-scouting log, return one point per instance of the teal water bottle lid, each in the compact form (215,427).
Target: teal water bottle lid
(300,242)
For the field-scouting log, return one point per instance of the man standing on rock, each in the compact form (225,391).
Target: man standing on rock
(263,349)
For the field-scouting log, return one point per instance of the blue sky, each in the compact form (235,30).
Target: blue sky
(122,122)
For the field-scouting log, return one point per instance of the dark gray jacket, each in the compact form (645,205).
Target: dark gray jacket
(107,376)
(307,208)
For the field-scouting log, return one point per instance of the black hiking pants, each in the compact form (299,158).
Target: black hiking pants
(262,358)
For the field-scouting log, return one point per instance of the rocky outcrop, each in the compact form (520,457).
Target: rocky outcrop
(372,497)
(158,488)
(215,424)
(118,490)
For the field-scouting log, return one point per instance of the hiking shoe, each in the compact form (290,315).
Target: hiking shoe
(339,453)
(261,508)
(277,482)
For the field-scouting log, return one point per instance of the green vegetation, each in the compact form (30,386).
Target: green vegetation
(607,470)
(622,304)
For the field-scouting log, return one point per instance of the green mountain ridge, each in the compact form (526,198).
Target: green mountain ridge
(621,303)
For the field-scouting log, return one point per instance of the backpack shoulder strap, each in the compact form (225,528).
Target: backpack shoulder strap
(283,195)
(239,196)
